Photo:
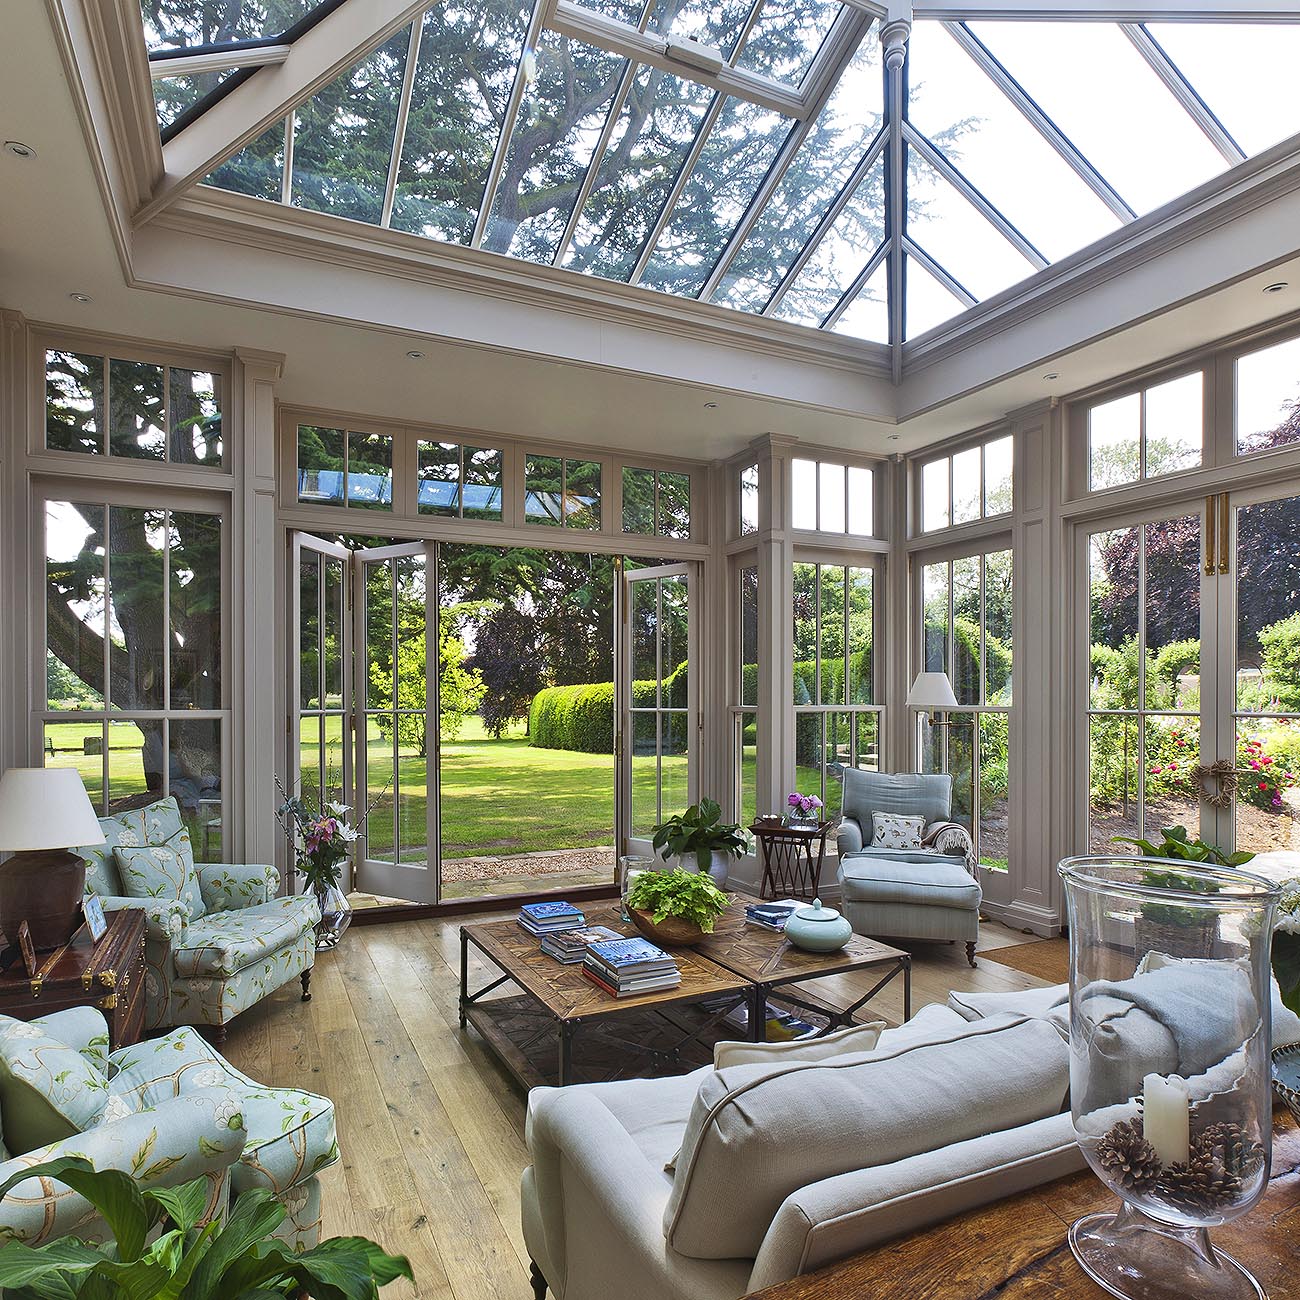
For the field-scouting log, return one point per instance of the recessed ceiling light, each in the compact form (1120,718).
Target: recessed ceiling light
(1050,375)
(80,297)
(415,356)
(1276,287)
(710,406)
(891,437)
(20,150)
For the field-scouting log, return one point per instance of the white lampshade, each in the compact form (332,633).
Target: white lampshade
(46,808)
(931,691)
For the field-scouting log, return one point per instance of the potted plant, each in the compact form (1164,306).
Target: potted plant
(232,1259)
(1166,927)
(675,907)
(699,836)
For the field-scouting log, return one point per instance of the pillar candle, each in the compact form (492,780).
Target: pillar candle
(1165,1117)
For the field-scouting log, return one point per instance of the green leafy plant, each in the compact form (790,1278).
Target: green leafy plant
(1177,846)
(234,1260)
(1286,944)
(689,895)
(699,831)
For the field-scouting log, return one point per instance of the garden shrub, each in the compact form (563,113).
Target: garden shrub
(1280,646)
(581,717)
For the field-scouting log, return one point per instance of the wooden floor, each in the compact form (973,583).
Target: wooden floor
(430,1126)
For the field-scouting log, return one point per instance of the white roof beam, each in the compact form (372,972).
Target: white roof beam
(949,282)
(894,38)
(1197,11)
(399,127)
(859,283)
(191,65)
(333,45)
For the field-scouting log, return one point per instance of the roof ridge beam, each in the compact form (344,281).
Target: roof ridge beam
(340,39)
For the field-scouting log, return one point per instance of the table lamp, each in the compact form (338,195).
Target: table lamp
(44,812)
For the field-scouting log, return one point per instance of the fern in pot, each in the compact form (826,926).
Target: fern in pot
(675,908)
(700,841)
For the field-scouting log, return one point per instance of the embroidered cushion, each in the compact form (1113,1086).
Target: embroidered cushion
(894,831)
(48,1090)
(161,871)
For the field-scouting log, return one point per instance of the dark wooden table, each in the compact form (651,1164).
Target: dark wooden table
(108,975)
(790,869)
(771,962)
(1017,1249)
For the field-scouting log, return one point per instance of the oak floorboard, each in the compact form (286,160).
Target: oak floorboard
(430,1126)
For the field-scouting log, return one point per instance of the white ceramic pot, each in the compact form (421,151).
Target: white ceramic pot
(717,869)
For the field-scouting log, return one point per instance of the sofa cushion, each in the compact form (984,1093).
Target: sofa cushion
(222,943)
(896,831)
(904,855)
(126,829)
(290,1138)
(163,870)
(853,1038)
(1045,1004)
(939,882)
(756,1134)
(932,1024)
(48,1090)
(147,1073)
(865,793)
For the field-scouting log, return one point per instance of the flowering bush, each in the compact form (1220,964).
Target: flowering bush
(1265,775)
(803,805)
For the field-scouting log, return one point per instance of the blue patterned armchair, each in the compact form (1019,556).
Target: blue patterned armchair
(208,958)
(166,1111)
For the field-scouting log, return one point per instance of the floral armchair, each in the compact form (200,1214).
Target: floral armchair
(217,937)
(166,1111)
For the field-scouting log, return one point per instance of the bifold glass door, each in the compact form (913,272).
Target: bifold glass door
(657,710)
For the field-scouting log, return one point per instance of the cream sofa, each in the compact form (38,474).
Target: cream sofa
(780,1169)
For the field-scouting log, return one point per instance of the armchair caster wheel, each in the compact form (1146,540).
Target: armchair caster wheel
(970,953)
(538,1281)
(306,985)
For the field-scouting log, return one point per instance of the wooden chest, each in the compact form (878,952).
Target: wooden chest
(108,975)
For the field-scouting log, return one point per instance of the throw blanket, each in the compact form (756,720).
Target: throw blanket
(953,839)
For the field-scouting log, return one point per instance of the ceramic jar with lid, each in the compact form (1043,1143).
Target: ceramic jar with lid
(818,928)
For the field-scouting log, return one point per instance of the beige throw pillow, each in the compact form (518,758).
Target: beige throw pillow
(894,831)
(854,1038)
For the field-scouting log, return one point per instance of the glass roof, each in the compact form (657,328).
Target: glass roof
(739,151)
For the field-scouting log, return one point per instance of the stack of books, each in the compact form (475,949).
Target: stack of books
(773,915)
(623,967)
(570,946)
(550,918)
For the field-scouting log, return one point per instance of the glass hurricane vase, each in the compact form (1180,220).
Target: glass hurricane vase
(335,914)
(1169,1068)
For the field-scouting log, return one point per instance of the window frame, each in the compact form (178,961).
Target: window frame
(830,456)
(949,451)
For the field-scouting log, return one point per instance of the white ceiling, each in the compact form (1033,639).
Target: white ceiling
(55,239)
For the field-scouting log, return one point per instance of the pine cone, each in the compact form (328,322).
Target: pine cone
(1232,1147)
(1202,1183)
(1128,1157)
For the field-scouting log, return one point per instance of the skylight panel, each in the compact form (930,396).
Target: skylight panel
(257,169)
(623,11)
(735,158)
(656,128)
(867,315)
(844,130)
(1245,72)
(840,255)
(929,303)
(184,24)
(555,135)
(1092,82)
(173,96)
(463,78)
(717,23)
(787,36)
(956,105)
(343,138)
(957,235)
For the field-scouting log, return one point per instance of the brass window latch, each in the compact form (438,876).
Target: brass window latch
(1218,527)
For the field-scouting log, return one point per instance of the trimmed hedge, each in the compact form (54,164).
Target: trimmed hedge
(581,717)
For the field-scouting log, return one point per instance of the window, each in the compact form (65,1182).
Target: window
(1268,398)
(459,482)
(1146,434)
(966,606)
(342,467)
(656,503)
(749,500)
(138,410)
(134,636)
(837,722)
(744,694)
(831,498)
(970,485)
(562,493)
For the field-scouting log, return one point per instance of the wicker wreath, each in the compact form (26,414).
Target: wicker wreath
(1222,772)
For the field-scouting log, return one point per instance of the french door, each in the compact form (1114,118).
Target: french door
(657,693)
(1193,694)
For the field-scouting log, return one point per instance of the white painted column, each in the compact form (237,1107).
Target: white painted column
(15,628)
(258,744)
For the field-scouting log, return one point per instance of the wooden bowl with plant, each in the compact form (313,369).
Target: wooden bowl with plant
(675,908)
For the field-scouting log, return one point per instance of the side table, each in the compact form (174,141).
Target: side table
(108,975)
(790,869)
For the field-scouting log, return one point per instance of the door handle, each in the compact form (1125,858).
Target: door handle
(1224,523)
(1210,522)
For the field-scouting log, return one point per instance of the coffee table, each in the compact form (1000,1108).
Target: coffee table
(771,962)
(559,1000)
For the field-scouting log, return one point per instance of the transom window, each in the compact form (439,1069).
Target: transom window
(1268,398)
(1156,431)
(462,482)
(137,410)
(748,484)
(343,467)
(656,502)
(561,492)
(972,484)
(827,497)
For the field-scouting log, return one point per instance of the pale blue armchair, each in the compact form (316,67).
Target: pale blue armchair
(915,893)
